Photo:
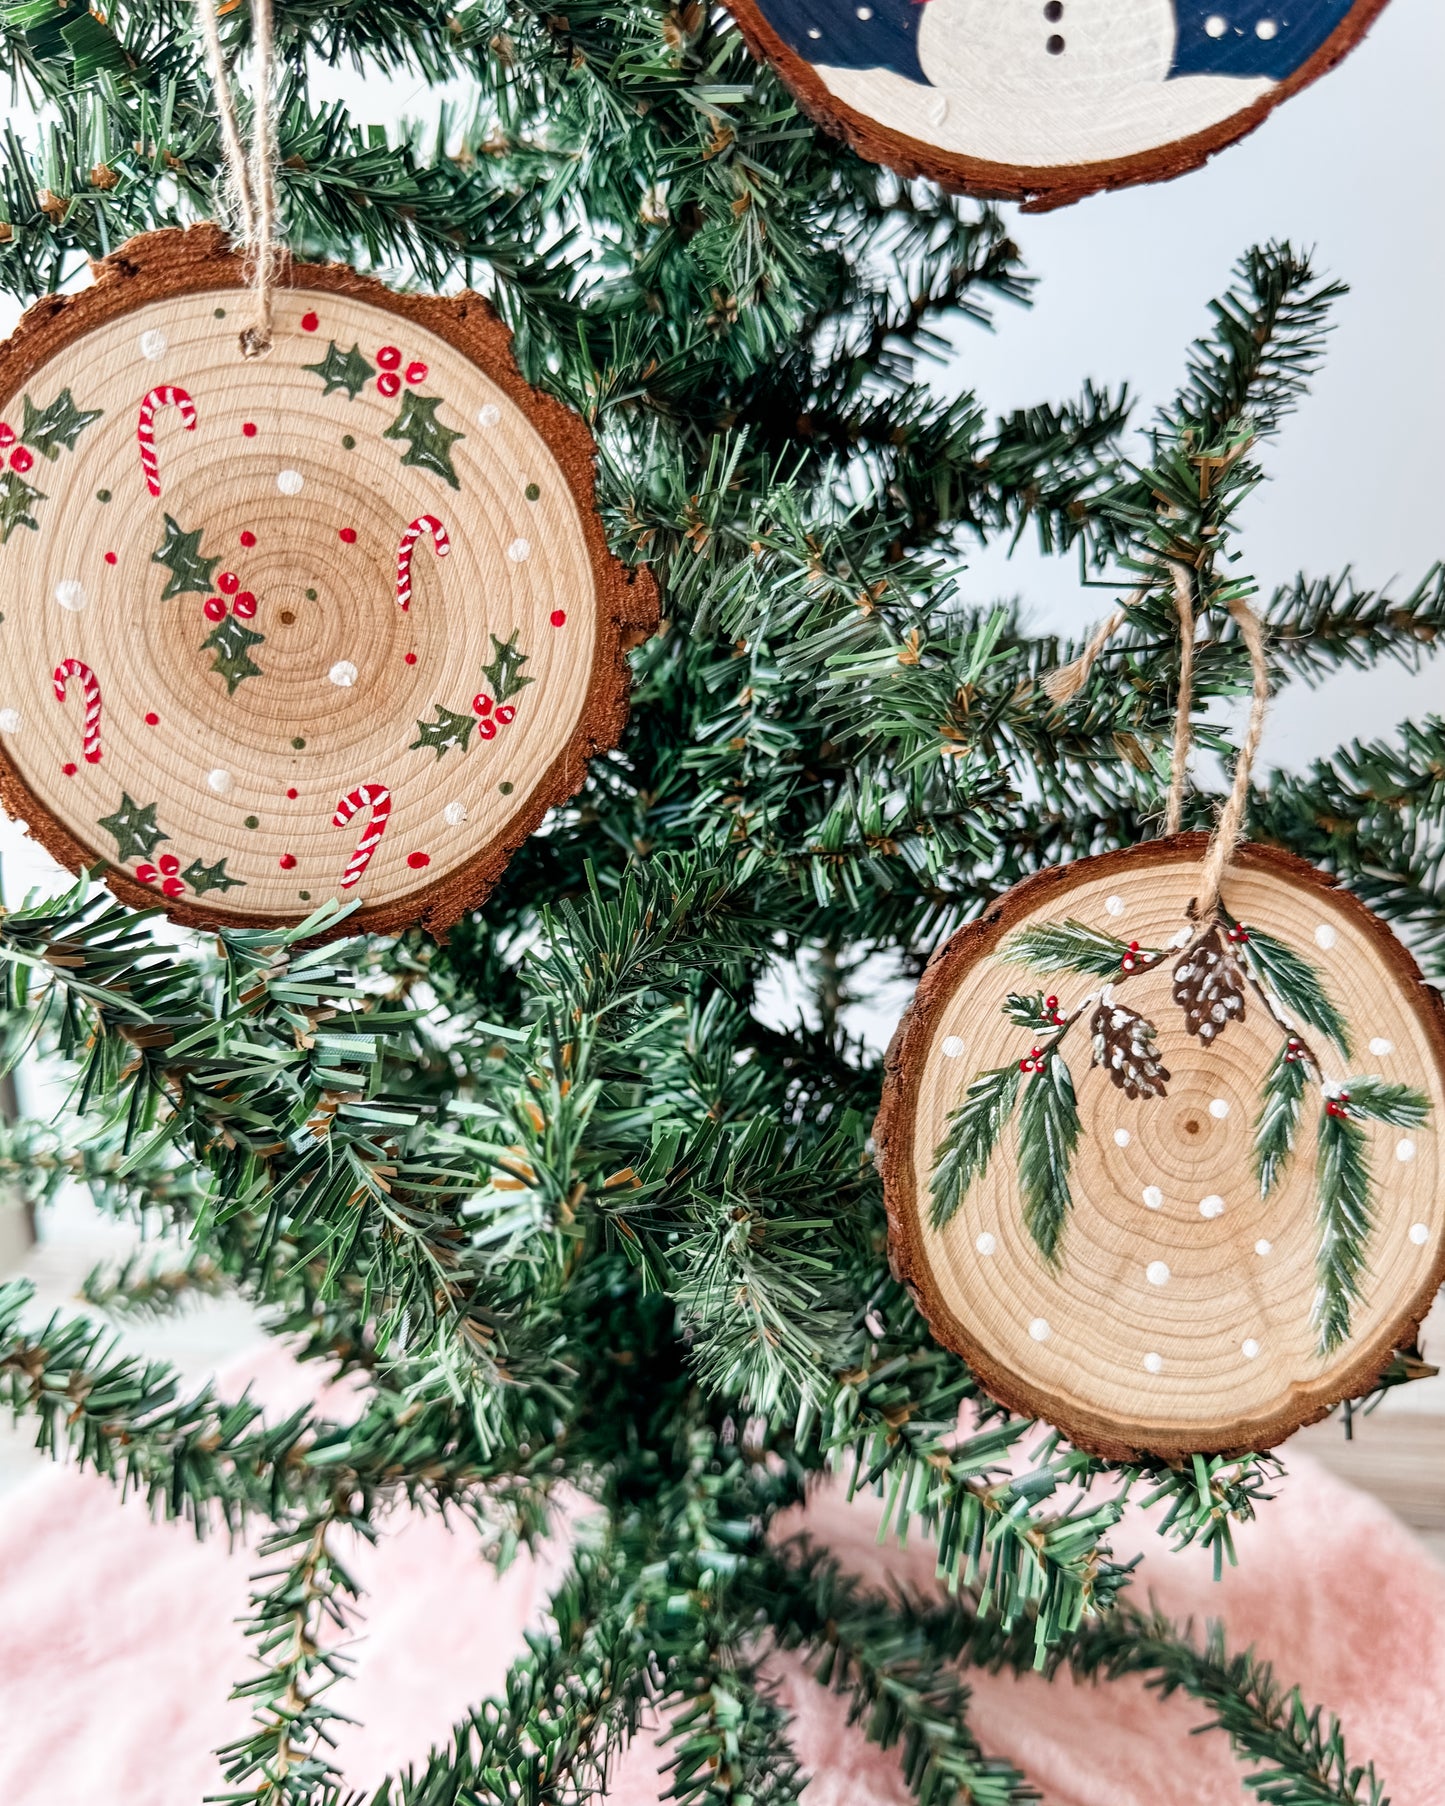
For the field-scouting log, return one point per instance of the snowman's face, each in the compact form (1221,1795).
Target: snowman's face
(1029,87)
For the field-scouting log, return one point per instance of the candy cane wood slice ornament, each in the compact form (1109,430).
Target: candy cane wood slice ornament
(1043,102)
(1170,1304)
(245,619)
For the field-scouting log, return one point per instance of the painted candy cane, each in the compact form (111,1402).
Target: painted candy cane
(378,798)
(145,431)
(424,523)
(90,685)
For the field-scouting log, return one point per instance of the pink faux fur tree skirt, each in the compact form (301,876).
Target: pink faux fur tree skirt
(120,1644)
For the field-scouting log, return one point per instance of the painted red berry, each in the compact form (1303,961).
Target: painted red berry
(1026,1065)
(69,768)
(1128,963)
(417,860)
(287,861)
(1051,1003)
(214,609)
(292,794)
(309,322)
(347,535)
(506,714)
(389,383)
(228,583)
(248,538)
(169,864)
(389,357)
(486,730)
(409,658)
(110,558)
(20,459)
(147,874)
(152,718)
(416,373)
(249,429)
(172,887)
(559,617)
(481,703)
(244,605)
(7,434)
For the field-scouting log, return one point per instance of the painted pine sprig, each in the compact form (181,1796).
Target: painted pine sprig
(1075,947)
(1049,1131)
(970,1138)
(1293,981)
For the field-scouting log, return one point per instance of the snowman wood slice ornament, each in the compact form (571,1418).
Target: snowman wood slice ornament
(1173,1185)
(1047,100)
(337,623)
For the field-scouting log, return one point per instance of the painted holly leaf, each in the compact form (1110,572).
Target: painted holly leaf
(180,552)
(61,423)
(447,731)
(1277,1124)
(504,674)
(1209,986)
(1124,1045)
(970,1136)
(1075,947)
(231,641)
(133,829)
(430,442)
(347,370)
(1343,1222)
(202,878)
(17,499)
(1048,1133)
(1296,984)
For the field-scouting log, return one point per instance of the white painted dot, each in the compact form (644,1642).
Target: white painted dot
(519,551)
(1181,937)
(290,482)
(952,1047)
(153,344)
(1212,1206)
(986,1244)
(1249,1349)
(488,415)
(1405,1150)
(1215,26)
(813,32)
(1379,1047)
(1219,1107)
(70,593)
(1266,28)
(1114,906)
(1039,1329)
(9,721)
(1263,1247)
(1153,1363)
(1121,1138)
(1153,1197)
(865,12)
(219,780)
(1325,937)
(343,673)
(454,814)
(1157,1273)
(1419,1234)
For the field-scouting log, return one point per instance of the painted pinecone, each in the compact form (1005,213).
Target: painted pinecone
(1209,987)
(1124,1047)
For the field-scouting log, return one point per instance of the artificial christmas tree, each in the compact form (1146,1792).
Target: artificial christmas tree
(557,1194)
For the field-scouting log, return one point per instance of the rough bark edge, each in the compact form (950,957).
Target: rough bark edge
(1304,1402)
(1040,189)
(178,261)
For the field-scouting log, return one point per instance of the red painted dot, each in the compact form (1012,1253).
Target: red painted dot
(214,609)
(559,617)
(172,887)
(69,769)
(417,860)
(169,864)
(248,538)
(388,357)
(249,429)
(110,558)
(347,535)
(416,373)
(20,459)
(288,860)
(7,434)
(244,605)
(228,583)
(506,714)
(486,730)
(293,794)
(481,703)
(152,718)
(389,383)
(309,322)
(410,658)
(147,874)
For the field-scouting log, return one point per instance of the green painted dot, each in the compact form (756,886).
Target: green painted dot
(305,895)
(532,492)
(311,595)
(253,821)
(220,313)
(298,743)
(102,495)
(348,442)
(506,789)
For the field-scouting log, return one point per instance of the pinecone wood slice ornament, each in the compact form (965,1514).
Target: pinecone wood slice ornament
(1047,103)
(1160,1243)
(336,623)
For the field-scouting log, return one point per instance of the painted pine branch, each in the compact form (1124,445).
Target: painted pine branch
(1049,1130)
(1075,947)
(1343,1222)
(1277,1124)
(1296,985)
(970,1137)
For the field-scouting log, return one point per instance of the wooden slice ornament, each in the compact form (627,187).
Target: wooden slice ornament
(1170,1181)
(1047,100)
(338,622)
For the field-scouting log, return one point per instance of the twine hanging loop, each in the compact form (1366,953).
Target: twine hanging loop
(250,181)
